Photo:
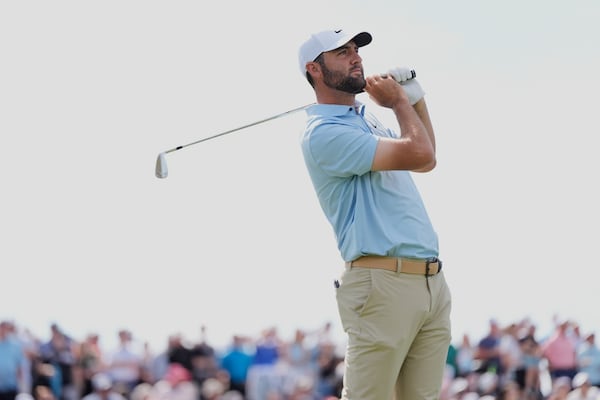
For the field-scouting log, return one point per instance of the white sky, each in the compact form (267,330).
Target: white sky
(92,91)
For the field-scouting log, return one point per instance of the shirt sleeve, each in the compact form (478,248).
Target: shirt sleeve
(342,150)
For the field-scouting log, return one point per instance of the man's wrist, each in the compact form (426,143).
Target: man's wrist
(401,106)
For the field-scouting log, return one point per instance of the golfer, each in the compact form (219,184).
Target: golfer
(393,300)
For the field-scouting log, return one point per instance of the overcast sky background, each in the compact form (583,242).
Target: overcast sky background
(92,91)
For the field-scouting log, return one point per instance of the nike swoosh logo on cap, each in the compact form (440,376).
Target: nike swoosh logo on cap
(338,31)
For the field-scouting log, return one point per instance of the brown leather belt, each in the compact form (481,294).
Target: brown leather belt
(428,267)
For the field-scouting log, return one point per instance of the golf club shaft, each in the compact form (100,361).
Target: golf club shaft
(161,170)
(240,128)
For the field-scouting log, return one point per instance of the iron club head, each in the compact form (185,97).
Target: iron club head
(161,166)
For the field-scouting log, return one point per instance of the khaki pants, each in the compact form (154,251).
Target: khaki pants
(398,334)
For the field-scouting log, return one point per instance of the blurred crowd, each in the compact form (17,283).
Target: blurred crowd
(510,362)
(515,362)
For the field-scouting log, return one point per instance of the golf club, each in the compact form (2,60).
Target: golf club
(161,162)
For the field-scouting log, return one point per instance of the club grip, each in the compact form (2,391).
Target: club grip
(413,75)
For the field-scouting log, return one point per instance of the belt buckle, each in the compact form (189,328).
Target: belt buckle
(432,260)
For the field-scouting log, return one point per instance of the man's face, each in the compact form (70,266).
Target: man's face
(345,72)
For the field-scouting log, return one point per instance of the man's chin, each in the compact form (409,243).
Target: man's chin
(357,91)
(353,87)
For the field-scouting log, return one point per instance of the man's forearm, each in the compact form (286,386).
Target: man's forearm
(421,109)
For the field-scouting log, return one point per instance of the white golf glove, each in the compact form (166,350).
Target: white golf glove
(404,76)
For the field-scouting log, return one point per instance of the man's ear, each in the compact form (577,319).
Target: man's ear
(313,68)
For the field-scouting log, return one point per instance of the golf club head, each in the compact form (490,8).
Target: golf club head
(161,166)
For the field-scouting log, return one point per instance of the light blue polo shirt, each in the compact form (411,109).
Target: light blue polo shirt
(11,361)
(371,212)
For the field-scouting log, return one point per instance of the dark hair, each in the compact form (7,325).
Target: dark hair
(321,62)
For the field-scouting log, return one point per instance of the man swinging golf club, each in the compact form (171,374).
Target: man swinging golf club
(392,297)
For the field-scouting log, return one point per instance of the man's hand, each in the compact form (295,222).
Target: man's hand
(412,88)
(385,91)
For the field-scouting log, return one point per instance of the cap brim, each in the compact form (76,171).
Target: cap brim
(362,39)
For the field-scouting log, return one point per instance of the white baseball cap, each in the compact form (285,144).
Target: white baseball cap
(580,379)
(101,381)
(328,40)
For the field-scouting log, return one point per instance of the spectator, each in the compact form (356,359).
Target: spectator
(561,387)
(203,357)
(12,358)
(180,384)
(458,388)
(179,353)
(296,357)
(298,354)
(147,371)
(233,395)
(324,335)
(465,357)
(212,389)
(59,352)
(89,361)
(329,381)
(159,364)
(143,391)
(488,384)
(509,391)
(487,352)
(103,389)
(559,349)
(124,364)
(267,348)
(42,392)
(588,359)
(574,333)
(303,389)
(30,347)
(582,389)
(451,359)
(510,352)
(264,379)
(236,361)
(528,375)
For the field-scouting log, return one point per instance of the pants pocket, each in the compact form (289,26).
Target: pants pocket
(352,296)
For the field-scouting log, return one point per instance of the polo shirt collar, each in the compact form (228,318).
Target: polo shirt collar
(335,110)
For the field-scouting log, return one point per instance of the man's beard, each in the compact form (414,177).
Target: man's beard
(337,80)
